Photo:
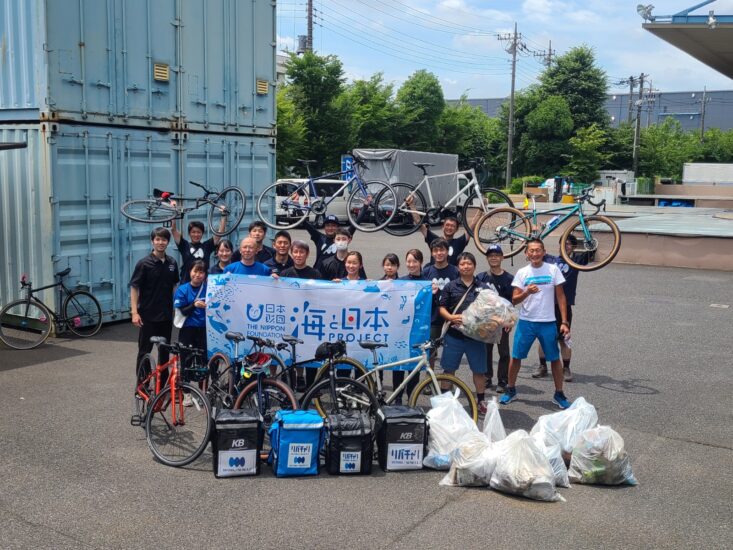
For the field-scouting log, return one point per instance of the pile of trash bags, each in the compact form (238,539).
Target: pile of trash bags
(532,464)
(487,317)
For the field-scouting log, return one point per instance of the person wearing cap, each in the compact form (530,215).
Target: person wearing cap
(501,281)
(324,242)
(570,287)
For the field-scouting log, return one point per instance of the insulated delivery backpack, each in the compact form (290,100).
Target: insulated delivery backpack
(296,438)
(349,446)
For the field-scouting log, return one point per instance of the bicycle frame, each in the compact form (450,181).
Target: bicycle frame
(172,363)
(571,211)
(328,200)
(64,292)
(473,185)
(421,360)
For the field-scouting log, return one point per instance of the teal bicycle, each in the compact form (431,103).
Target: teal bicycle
(590,242)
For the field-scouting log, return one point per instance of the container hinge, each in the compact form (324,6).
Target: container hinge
(157,91)
(245,108)
(73,80)
(135,88)
(100,84)
(260,109)
(200,102)
(220,104)
(176,22)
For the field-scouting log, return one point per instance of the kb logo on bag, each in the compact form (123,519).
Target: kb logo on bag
(350,462)
(237,443)
(299,455)
(406,436)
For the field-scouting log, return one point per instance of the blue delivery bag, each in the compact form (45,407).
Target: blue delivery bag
(296,439)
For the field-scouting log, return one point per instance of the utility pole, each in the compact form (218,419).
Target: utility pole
(632,83)
(637,128)
(702,113)
(512,49)
(309,37)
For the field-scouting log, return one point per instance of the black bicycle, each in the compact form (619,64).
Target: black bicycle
(225,214)
(26,323)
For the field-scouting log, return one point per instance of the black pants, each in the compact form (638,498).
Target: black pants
(193,337)
(502,375)
(398,376)
(154,328)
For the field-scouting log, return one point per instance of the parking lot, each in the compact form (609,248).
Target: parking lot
(652,352)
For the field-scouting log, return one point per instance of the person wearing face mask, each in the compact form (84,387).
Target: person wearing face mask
(224,251)
(334,267)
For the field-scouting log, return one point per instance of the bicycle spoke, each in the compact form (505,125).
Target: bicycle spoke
(24,325)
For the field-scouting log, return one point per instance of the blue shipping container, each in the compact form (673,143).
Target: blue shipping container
(60,198)
(204,65)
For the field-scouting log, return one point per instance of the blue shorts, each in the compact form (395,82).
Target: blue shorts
(453,351)
(528,331)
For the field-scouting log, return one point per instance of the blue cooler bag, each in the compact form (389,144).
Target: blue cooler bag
(296,438)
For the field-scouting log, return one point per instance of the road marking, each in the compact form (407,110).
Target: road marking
(721,306)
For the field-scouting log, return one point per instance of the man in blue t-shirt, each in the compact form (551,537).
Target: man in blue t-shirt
(248,265)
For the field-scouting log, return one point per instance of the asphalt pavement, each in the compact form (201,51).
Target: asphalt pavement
(652,352)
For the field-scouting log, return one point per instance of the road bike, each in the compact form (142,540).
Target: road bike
(413,210)
(26,323)
(286,204)
(225,213)
(176,414)
(434,384)
(598,238)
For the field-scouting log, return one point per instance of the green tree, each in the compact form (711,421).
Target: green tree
(620,147)
(575,77)
(586,153)
(467,131)
(316,82)
(291,131)
(374,115)
(665,147)
(717,146)
(420,103)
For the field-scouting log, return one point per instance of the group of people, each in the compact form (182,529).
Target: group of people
(544,290)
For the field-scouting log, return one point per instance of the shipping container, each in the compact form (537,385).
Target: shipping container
(60,198)
(204,65)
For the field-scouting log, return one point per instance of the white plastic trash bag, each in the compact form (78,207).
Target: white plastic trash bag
(449,423)
(487,316)
(566,426)
(472,462)
(522,469)
(554,457)
(600,458)
(493,426)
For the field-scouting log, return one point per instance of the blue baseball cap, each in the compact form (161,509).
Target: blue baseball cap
(494,249)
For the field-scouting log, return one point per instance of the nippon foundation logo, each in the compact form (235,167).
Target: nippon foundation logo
(299,455)
(350,462)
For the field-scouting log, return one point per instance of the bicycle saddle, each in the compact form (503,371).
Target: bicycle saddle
(307,161)
(64,273)
(330,349)
(158,340)
(423,164)
(372,345)
(291,339)
(235,336)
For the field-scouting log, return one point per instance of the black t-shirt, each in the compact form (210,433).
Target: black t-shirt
(441,277)
(306,273)
(456,245)
(451,296)
(190,252)
(501,283)
(333,268)
(155,280)
(277,267)
(325,247)
(262,256)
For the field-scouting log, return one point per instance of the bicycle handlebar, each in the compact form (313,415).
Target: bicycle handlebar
(261,342)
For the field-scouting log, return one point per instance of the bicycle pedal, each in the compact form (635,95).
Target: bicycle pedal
(136,420)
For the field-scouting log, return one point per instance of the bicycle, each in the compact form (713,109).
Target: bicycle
(176,414)
(26,323)
(298,201)
(335,394)
(225,214)
(433,385)
(413,211)
(598,237)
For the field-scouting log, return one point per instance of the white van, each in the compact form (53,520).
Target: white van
(324,189)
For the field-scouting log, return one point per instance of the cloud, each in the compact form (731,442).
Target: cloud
(286,43)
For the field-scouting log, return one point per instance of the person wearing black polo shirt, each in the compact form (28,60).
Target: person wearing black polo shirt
(281,260)
(334,267)
(325,247)
(151,296)
(299,251)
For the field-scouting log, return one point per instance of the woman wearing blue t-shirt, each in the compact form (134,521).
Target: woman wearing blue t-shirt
(190,298)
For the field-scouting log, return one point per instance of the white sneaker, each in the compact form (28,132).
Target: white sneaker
(187,400)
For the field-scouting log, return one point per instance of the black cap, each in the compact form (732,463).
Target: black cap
(331,219)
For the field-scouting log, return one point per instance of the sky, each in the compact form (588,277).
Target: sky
(458,40)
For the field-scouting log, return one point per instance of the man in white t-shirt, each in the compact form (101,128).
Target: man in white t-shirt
(537,287)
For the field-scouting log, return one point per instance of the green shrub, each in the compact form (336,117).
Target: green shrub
(518,183)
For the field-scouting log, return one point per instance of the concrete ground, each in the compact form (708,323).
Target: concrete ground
(651,351)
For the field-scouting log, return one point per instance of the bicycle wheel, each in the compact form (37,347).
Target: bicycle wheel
(144,368)
(505,227)
(356,370)
(178,429)
(285,205)
(596,250)
(493,198)
(24,324)
(82,313)
(404,221)
(233,202)
(378,212)
(221,385)
(425,389)
(350,395)
(149,211)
